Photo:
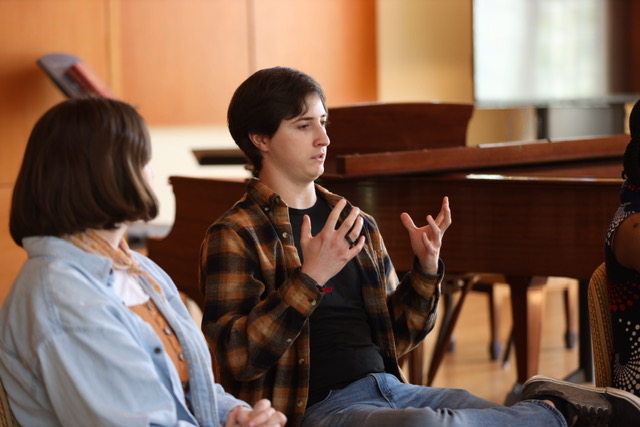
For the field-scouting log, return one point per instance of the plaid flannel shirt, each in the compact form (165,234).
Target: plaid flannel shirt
(258,302)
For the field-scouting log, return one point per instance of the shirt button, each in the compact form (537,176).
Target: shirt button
(157,350)
(181,356)
(266,208)
(289,340)
(313,302)
(150,306)
(300,403)
(167,330)
(285,235)
(300,361)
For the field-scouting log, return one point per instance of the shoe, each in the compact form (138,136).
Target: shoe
(626,412)
(587,406)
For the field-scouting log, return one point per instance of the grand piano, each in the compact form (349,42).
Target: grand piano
(524,209)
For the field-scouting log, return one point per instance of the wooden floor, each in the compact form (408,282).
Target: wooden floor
(469,365)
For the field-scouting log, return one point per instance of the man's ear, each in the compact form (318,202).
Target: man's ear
(260,141)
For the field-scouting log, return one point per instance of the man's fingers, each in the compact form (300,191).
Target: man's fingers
(444,216)
(407,221)
(334,215)
(305,228)
(354,230)
(350,223)
(358,244)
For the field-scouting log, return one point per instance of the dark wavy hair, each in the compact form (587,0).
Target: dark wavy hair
(631,162)
(262,101)
(83,168)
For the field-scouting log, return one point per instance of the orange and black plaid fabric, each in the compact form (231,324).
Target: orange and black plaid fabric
(258,301)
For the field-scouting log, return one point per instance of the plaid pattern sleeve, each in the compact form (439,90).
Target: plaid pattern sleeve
(413,308)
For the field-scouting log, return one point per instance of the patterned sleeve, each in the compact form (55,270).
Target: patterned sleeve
(412,302)
(413,314)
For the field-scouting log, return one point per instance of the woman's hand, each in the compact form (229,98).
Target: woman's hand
(262,414)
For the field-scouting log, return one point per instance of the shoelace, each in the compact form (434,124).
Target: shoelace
(588,416)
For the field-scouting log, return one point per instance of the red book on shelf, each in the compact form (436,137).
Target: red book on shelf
(88,80)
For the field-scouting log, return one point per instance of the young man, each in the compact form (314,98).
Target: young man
(304,307)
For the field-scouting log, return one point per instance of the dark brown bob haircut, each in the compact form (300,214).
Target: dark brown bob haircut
(262,101)
(83,168)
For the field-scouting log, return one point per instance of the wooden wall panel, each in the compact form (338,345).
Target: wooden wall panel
(28,30)
(180,60)
(332,40)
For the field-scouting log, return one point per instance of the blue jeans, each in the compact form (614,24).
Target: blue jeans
(381,400)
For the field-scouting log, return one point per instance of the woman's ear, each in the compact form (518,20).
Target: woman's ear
(260,141)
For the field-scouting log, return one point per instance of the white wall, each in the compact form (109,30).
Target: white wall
(172,155)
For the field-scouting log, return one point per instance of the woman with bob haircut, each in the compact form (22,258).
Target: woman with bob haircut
(91,332)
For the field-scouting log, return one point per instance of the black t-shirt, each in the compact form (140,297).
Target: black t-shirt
(342,348)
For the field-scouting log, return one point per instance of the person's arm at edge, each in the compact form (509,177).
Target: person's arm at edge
(626,242)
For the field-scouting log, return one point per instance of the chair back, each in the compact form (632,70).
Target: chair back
(6,414)
(601,329)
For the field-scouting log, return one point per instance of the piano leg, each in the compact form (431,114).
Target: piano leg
(526,304)
(526,307)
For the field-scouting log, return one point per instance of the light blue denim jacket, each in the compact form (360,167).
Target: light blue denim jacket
(71,353)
